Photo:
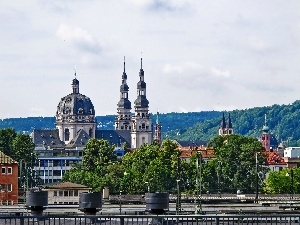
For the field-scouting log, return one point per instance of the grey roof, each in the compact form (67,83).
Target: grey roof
(141,101)
(43,138)
(75,104)
(115,137)
(79,140)
(191,143)
(124,103)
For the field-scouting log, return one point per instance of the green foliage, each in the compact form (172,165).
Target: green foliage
(236,163)
(284,181)
(153,164)
(7,136)
(98,168)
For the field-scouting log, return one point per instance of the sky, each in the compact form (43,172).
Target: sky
(198,55)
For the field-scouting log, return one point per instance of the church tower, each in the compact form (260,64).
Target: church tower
(266,136)
(157,135)
(123,118)
(75,112)
(141,132)
(226,128)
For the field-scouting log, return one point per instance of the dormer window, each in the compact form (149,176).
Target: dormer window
(80,111)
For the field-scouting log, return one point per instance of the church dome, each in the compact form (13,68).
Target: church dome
(75,107)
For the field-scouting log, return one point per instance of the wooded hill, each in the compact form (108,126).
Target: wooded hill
(283,121)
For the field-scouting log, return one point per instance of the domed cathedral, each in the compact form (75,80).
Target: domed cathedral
(226,128)
(75,112)
(141,131)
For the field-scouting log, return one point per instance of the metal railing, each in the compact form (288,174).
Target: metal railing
(251,219)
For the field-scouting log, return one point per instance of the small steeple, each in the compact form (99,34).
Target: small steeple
(75,84)
(265,128)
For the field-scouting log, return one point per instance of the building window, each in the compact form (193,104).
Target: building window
(76,193)
(3,170)
(9,170)
(66,193)
(3,189)
(55,193)
(9,187)
(60,193)
(67,134)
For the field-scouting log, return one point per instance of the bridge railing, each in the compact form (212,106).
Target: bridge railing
(253,219)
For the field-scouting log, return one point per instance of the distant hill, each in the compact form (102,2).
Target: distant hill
(283,121)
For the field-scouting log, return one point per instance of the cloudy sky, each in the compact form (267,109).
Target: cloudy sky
(197,55)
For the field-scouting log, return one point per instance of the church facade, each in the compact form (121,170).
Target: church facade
(76,123)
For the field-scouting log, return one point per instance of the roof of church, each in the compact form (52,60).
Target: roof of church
(76,104)
(116,137)
(43,138)
(6,159)
(80,139)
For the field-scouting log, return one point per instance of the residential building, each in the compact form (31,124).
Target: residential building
(8,180)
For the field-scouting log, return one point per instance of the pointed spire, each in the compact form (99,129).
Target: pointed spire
(157,115)
(124,64)
(229,124)
(223,123)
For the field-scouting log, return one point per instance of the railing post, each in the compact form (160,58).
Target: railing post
(217,220)
(121,220)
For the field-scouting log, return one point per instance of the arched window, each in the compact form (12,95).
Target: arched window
(143,140)
(91,132)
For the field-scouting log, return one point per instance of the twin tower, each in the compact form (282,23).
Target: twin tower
(75,115)
(140,124)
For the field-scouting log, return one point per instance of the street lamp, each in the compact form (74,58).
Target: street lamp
(291,185)
(178,204)
(218,174)
(148,186)
(198,182)
(256,177)
(120,202)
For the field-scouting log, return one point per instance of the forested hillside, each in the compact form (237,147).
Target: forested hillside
(283,121)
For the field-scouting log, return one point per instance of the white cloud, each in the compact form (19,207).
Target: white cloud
(79,37)
(220,73)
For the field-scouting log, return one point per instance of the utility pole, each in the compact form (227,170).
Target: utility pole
(256,177)
(198,209)
(178,202)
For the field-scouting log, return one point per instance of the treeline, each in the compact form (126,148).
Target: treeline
(283,121)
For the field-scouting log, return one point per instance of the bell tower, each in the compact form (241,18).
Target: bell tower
(226,128)
(123,118)
(141,132)
(266,136)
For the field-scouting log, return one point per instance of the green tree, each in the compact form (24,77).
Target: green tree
(94,169)
(153,164)
(283,182)
(23,152)
(236,156)
(7,136)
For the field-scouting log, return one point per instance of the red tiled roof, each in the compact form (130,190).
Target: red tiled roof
(273,158)
(205,152)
